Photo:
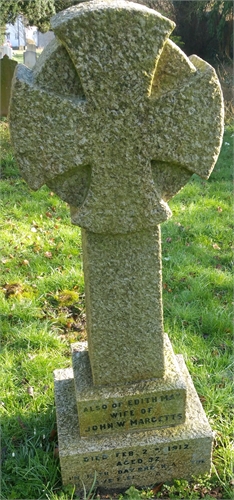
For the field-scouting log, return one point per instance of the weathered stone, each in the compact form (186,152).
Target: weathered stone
(124,305)
(146,404)
(7,68)
(123,120)
(116,155)
(141,458)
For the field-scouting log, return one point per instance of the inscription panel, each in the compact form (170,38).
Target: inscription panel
(148,411)
(139,465)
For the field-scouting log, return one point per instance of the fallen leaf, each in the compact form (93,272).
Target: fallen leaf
(31,356)
(4,260)
(21,423)
(30,391)
(24,381)
(215,246)
(49,215)
(56,452)
(48,255)
(219,209)
(53,435)
(25,262)
(157,488)
(202,399)
(12,289)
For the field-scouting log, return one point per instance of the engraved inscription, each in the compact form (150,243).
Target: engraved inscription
(150,411)
(127,465)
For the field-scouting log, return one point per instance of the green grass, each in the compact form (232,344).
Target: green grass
(42,312)
(18,56)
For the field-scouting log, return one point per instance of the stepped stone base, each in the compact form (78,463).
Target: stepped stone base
(142,458)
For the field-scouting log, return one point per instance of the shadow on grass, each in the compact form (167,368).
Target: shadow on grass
(30,464)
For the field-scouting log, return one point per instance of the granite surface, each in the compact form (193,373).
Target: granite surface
(123,306)
(142,458)
(114,117)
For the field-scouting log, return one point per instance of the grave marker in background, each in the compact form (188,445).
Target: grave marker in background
(7,68)
(5,50)
(31,47)
(30,58)
(123,120)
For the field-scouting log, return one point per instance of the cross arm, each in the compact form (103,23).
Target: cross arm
(185,118)
(51,137)
(113,45)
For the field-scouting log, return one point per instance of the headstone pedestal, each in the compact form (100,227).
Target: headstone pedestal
(123,120)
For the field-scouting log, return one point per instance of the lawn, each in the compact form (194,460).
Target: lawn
(43,312)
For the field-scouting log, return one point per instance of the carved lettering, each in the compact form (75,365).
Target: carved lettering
(121,424)
(162,419)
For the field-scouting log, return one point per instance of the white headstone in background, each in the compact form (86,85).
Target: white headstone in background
(5,50)
(30,58)
(31,47)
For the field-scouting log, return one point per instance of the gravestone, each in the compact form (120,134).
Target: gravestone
(30,58)
(31,47)
(5,50)
(7,68)
(123,119)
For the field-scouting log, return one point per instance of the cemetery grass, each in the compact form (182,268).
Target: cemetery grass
(42,313)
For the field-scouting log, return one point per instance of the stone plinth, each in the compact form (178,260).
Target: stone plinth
(138,457)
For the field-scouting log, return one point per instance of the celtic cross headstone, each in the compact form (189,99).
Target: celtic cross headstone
(123,119)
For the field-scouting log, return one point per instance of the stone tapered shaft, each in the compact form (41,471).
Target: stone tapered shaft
(123,306)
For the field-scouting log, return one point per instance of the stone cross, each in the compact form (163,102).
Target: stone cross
(119,120)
